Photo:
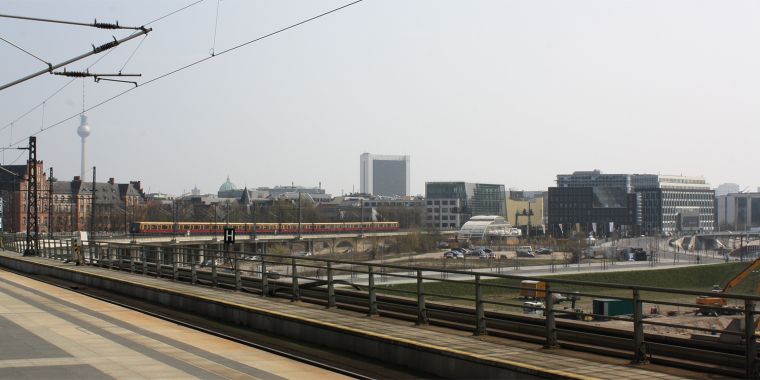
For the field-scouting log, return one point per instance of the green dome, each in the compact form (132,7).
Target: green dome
(227,186)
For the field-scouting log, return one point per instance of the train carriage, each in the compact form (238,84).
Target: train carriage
(202,228)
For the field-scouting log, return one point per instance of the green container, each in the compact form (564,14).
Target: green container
(612,307)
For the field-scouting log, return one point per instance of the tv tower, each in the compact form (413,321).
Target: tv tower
(83,131)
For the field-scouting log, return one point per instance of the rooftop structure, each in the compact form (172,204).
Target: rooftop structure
(484,227)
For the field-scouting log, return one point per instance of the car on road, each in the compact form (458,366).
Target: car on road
(544,251)
(303,254)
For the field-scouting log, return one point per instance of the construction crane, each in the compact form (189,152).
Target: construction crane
(717,301)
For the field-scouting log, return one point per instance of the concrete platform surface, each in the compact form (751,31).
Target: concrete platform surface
(47,332)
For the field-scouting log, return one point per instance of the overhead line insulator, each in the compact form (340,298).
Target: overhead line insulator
(105,46)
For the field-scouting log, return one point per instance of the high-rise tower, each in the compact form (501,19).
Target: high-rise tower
(384,175)
(83,131)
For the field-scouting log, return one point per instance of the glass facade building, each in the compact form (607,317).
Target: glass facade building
(451,204)
(638,203)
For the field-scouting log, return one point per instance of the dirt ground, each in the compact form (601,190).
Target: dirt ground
(686,319)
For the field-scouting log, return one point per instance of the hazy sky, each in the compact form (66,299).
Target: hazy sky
(509,92)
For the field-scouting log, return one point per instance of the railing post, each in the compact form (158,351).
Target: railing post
(551,326)
(264,277)
(131,259)
(480,312)
(294,275)
(193,267)
(92,248)
(330,287)
(175,264)
(751,370)
(639,353)
(422,318)
(371,291)
(143,251)
(236,265)
(214,279)
(159,260)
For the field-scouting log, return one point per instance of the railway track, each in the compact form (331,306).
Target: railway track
(693,355)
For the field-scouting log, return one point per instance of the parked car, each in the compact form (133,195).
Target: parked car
(525,251)
(544,251)
(487,255)
(303,254)
(453,255)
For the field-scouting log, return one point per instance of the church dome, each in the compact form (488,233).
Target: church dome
(227,186)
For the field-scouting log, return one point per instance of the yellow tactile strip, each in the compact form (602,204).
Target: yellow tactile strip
(530,361)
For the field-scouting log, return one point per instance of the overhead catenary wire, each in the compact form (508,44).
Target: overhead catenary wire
(172,13)
(94,63)
(133,53)
(26,51)
(189,65)
(216,24)
(94,24)
(56,92)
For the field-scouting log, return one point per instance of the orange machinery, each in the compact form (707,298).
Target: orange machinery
(720,301)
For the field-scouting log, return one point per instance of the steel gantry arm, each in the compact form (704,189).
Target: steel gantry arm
(95,50)
(742,276)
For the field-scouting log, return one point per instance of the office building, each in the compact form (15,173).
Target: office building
(527,209)
(631,203)
(738,211)
(448,205)
(384,175)
(672,204)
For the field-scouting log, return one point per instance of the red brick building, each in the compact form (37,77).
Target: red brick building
(13,191)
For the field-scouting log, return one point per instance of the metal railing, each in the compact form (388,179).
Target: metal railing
(388,288)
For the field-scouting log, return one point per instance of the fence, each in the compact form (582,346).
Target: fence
(479,299)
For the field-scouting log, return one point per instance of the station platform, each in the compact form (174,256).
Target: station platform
(431,349)
(47,332)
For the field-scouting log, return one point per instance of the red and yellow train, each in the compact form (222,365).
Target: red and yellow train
(203,228)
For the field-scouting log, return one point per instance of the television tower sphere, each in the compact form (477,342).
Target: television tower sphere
(84,128)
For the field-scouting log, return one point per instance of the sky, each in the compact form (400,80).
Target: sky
(507,92)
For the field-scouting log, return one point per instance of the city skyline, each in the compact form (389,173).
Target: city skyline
(496,92)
